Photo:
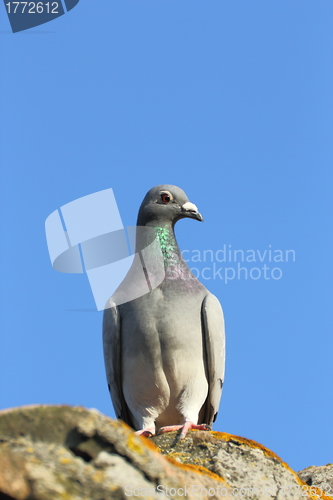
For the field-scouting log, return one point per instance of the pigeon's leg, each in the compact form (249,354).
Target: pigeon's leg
(147,432)
(146,426)
(186,427)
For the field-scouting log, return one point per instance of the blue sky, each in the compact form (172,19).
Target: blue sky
(231,101)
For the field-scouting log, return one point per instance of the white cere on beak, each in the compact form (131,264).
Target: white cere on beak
(189,207)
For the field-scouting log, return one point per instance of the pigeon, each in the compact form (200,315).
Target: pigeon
(164,351)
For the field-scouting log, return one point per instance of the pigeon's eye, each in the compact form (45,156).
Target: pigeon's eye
(165,198)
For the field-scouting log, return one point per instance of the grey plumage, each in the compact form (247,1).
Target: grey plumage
(165,351)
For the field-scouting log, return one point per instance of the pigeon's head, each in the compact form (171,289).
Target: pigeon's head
(166,204)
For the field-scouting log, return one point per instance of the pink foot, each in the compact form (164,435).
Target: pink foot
(186,427)
(169,428)
(146,432)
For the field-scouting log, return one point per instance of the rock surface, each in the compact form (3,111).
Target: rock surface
(321,477)
(70,453)
(248,468)
(59,452)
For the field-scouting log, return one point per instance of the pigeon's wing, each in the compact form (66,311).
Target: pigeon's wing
(112,360)
(214,339)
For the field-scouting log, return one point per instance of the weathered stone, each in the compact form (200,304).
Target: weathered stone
(321,477)
(70,453)
(13,481)
(248,468)
(59,452)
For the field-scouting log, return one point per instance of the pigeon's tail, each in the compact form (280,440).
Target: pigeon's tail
(125,415)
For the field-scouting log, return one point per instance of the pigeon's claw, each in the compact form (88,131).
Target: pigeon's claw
(184,428)
(190,425)
(169,428)
(146,432)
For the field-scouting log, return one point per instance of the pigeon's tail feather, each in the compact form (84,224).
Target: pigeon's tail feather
(112,341)
(214,342)
(126,417)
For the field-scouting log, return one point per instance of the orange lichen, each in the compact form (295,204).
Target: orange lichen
(313,492)
(318,494)
(177,456)
(134,444)
(196,468)
(253,444)
(98,477)
(149,444)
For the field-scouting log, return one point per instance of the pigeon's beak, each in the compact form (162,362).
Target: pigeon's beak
(190,210)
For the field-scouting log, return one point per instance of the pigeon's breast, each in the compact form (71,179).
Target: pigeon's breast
(162,347)
(164,323)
